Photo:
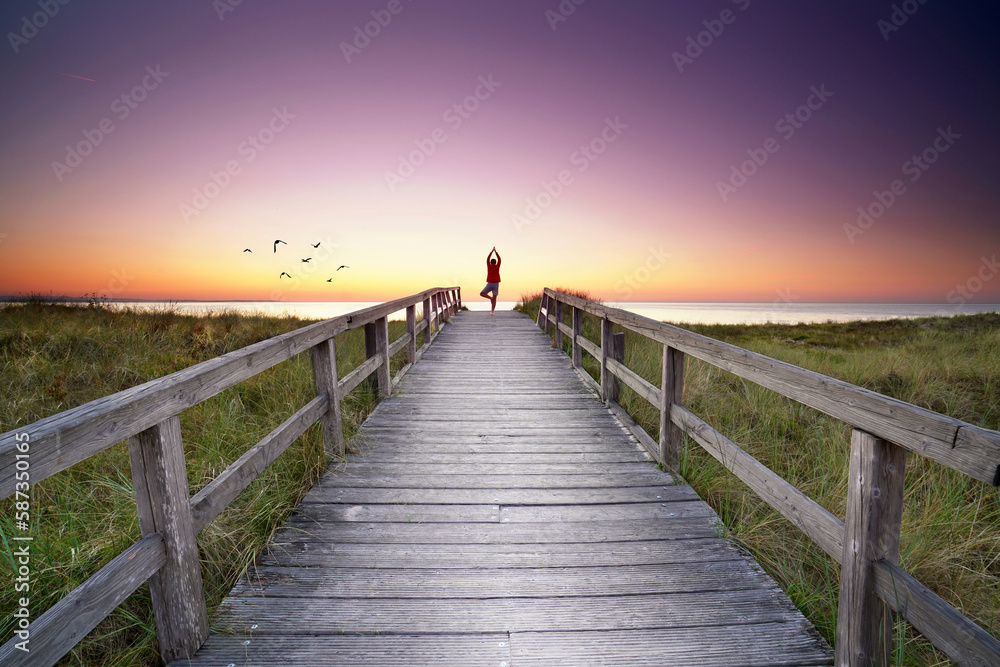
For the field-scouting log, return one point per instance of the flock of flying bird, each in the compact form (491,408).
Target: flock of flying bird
(304,261)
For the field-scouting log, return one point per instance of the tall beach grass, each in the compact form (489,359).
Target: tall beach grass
(951,523)
(55,357)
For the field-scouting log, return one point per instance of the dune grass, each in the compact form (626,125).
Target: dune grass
(951,523)
(55,357)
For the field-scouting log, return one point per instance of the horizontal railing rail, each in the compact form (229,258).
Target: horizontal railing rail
(866,544)
(169,517)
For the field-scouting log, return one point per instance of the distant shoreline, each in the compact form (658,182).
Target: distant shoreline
(86,299)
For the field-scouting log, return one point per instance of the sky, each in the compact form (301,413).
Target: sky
(710,150)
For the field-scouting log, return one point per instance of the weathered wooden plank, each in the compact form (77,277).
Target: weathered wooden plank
(543,582)
(257,646)
(679,528)
(826,530)
(327,513)
(64,439)
(634,494)
(549,419)
(63,625)
(159,476)
(360,467)
(501,481)
(321,553)
(542,445)
(660,510)
(209,502)
(486,429)
(676,610)
(970,449)
(790,644)
(496,456)
(582,440)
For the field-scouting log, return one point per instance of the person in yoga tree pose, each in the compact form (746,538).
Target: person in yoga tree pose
(492,279)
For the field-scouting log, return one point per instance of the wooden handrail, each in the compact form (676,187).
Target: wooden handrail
(66,438)
(884,428)
(970,449)
(169,517)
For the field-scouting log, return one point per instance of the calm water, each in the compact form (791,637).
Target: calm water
(695,313)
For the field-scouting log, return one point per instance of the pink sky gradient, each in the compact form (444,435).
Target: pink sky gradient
(642,220)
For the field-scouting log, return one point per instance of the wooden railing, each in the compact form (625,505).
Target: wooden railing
(866,545)
(169,517)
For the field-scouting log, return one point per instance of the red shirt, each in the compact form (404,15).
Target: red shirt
(493,271)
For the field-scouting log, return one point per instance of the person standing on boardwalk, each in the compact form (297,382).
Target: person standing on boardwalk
(492,279)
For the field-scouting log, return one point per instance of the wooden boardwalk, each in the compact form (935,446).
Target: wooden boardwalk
(501,515)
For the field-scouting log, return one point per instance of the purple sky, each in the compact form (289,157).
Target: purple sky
(449,132)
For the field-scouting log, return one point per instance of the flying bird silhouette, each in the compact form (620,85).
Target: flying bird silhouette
(277,241)
(248,250)
(306,260)
(343,266)
(315,245)
(283,274)
(329,280)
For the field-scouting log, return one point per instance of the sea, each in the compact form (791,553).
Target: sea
(692,313)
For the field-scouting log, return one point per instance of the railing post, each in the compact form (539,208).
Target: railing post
(541,306)
(324,357)
(159,475)
(671,391)
(618,354)
(871,533)
(559,319)
(577,332)
(458,298)
(411,334)
(427,319)
(384,383)
(607,343)
(372,349)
